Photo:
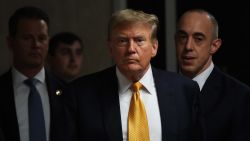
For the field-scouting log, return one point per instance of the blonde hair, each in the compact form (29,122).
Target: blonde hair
(133,16)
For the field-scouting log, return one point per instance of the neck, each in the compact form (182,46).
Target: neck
(29,72)
(135,75)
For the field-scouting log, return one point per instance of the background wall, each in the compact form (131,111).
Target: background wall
(86,18)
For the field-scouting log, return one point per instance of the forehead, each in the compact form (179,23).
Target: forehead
(27,25)
(195,22)
(75,45)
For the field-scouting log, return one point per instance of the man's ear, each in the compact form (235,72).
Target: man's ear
(215,45)
(154,47)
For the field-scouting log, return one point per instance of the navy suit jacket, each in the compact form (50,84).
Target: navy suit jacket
(98,112)
(60,122)
(224,108)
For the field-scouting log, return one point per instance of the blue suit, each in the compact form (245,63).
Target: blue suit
(97,107)
(60,123)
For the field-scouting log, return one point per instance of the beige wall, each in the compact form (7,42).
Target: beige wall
(87,18)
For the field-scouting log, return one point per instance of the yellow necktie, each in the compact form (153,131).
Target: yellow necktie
(137,118)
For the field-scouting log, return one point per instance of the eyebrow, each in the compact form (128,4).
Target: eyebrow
(181,32)
(199,34)
(195,33)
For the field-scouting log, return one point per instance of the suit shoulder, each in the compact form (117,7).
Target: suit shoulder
(5,75)
(174,80)
(5,79)
(228,81)
(52,79)
(173,76)
(96,77)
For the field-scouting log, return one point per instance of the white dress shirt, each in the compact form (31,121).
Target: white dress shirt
(149,98)
(21,93)
(202,77)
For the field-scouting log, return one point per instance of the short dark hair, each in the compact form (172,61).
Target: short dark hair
(27,12)
(62,37)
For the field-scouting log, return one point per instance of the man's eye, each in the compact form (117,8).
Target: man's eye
(181,38)
(42,38)
(140,41)
(26,37)
(198,39)
(64,52)
(122,40)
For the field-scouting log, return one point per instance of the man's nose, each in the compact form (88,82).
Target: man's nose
(131,46)
(189,44)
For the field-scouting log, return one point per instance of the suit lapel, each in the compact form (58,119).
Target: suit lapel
(210,93)
(8,112)
(56,105)
(111,107)
(165,96)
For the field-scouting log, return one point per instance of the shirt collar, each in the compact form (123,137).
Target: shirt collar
(147,81)
(202,77)
(18,77)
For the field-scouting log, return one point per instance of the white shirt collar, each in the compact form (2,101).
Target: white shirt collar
(202,77)
(147,81)
(18,77)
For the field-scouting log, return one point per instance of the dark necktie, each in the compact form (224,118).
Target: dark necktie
(35,111)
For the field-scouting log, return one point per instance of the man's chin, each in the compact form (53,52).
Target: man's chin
(130,68)
(188,69)
(133,67)
(36,63)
